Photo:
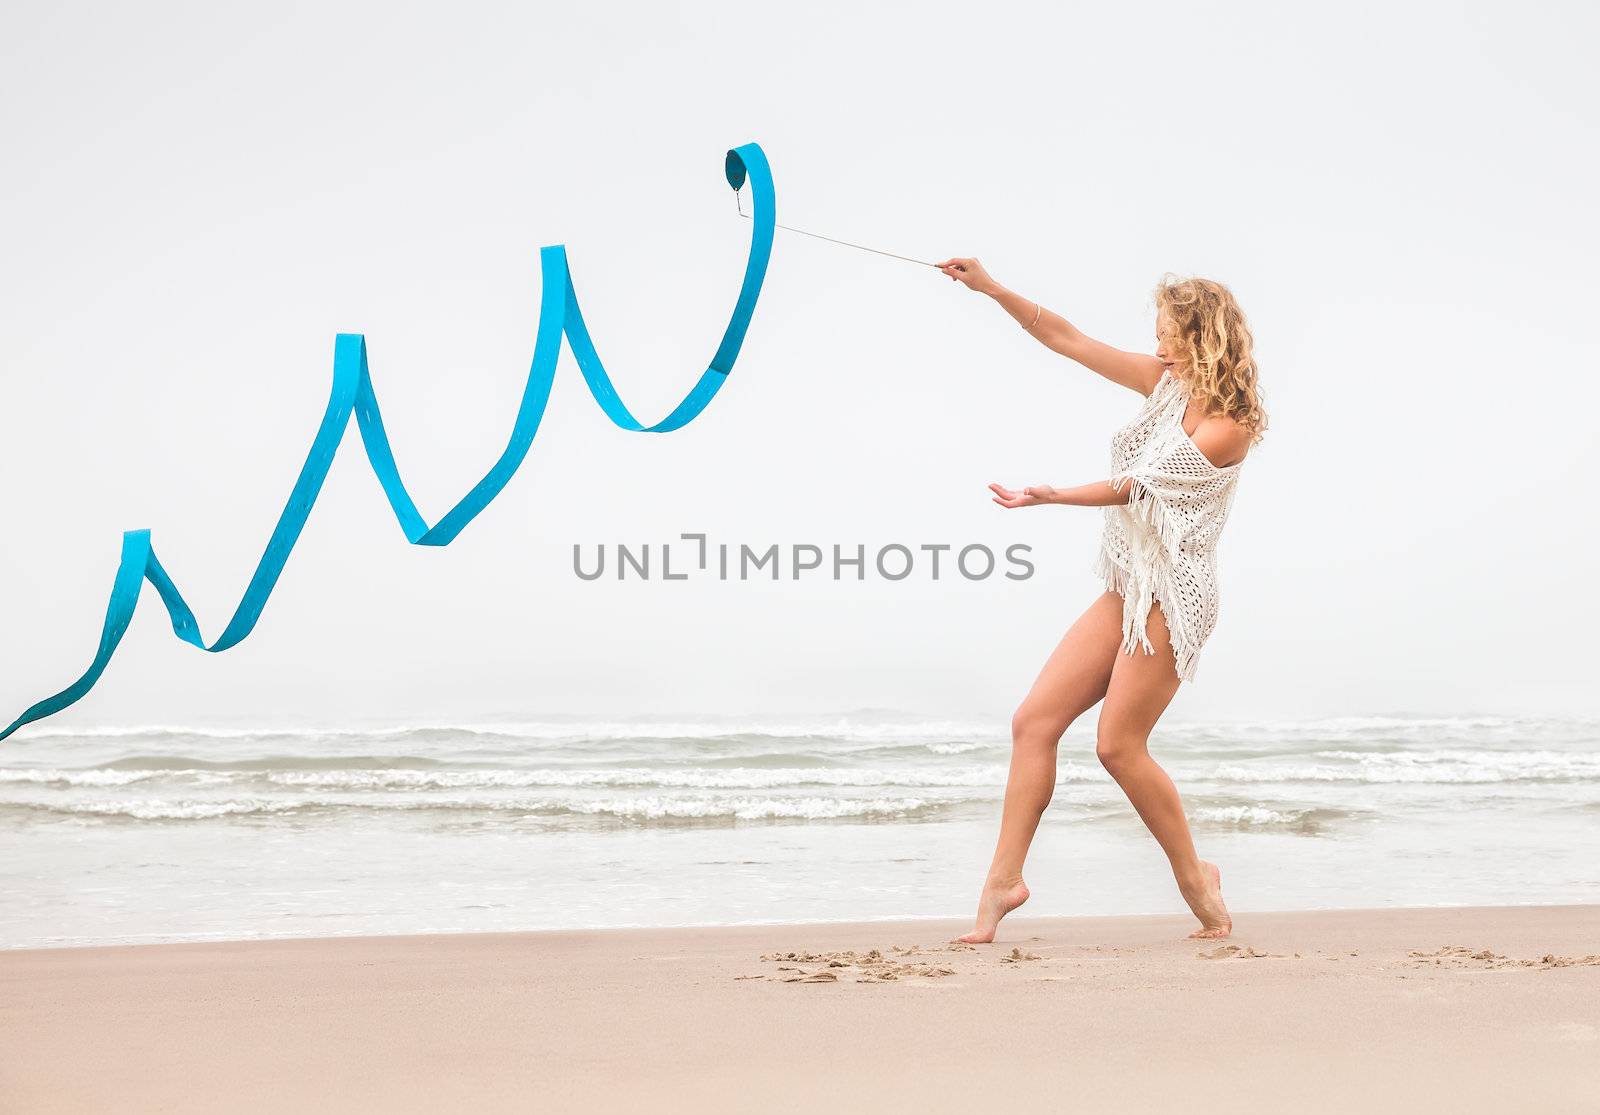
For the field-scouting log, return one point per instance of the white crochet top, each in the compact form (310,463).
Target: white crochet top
(1162,544)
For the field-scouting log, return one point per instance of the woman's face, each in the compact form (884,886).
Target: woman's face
(1163,336)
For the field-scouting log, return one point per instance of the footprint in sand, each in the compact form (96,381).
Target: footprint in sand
(821,975)
(1243,953)
(869,967)
(1460,956)
(1017,956)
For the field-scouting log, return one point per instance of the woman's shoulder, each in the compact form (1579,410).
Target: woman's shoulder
(1224,441)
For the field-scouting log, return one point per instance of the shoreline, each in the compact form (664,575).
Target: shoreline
(1399,1008)
(909,920)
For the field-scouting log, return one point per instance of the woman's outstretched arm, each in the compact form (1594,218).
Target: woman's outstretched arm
(1098,494)
(1136,370)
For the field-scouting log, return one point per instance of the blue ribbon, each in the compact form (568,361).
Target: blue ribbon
(559,316)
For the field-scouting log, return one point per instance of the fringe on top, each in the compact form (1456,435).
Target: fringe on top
(1160,547)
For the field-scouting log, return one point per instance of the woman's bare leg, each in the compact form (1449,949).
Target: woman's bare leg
(1073,678)
(1141,687)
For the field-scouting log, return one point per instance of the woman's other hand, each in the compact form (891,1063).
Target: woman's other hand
(1028,497)
(968,271)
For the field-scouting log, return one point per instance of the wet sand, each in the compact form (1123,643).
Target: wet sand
(1468,1009)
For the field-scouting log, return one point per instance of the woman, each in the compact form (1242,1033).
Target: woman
(1174,471)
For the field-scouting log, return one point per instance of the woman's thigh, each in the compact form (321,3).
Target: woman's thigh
(1077,672)
(1142,685)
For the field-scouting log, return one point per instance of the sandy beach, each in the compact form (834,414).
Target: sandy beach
(1463,1009)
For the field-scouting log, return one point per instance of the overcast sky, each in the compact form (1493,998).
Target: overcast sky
(197,199)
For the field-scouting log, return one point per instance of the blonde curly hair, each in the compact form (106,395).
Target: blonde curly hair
(1212,348)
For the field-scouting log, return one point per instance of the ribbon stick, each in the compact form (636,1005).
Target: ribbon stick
(559,316)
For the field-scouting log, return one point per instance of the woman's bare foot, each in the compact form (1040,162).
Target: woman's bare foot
(998,900)
(1205,899)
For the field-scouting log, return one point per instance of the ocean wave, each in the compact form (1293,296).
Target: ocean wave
(1308,820)
(706,778)
(1437,766)
(1385,725)
(641,808)
(748,809)
(158,810)
(702,778)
